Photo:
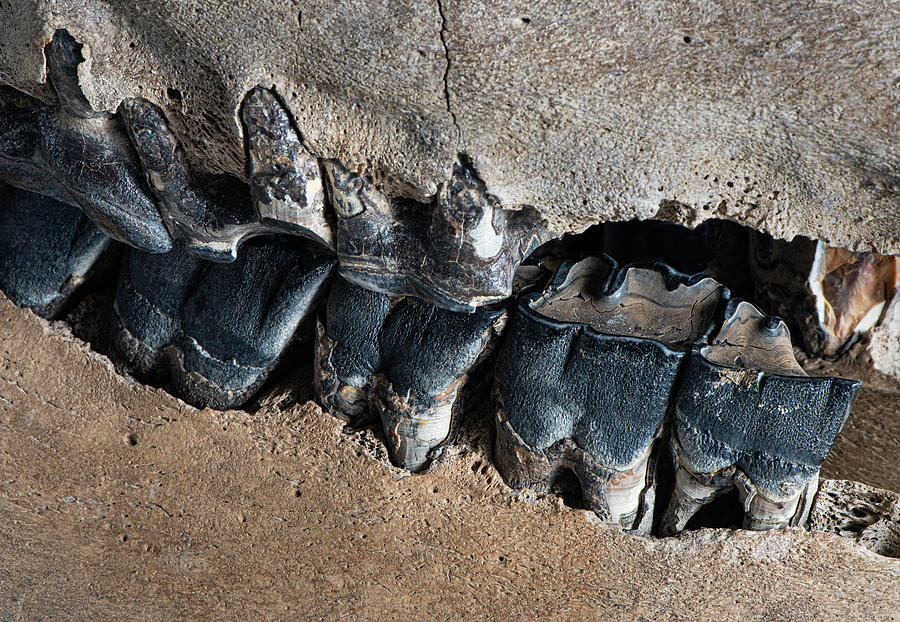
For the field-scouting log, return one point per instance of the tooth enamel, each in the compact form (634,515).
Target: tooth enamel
(747,414)
(585,376)
(410,359)
(46,251)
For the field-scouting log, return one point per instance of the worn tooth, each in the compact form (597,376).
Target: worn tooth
(832,295)
(585,377)
(747,414)
(411,360)
(868,515)
(285,180)
(220,327)
(212,214)
(460,254)
(76,155)
(46,250)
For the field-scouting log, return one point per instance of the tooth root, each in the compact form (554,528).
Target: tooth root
(459,254)
(83,161)
(221,327)
(412,360)
(586,374)
(63,55)
(745,404)
(212,214)
(46,251)
(285,180)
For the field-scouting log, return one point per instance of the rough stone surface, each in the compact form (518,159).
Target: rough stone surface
(781,117)
(119,502)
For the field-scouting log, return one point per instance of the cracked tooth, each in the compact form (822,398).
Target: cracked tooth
(833,295)
(285,180)
(76,155)
(46,251)
(404,359)
(585,376)
(459,254)
(747,415)
(219,327)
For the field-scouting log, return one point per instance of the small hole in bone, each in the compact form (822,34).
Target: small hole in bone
(686,39)
(567,487)
(174,95)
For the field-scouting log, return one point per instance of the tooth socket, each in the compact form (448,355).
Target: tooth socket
(766,434)
(414,428)
(622,497)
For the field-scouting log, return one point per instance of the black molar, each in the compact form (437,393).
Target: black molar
(46,249)
(459,254)
(747,414)
(83,161)
(285,178)
(211,214)
(585,377)
(404,358)
(218,328)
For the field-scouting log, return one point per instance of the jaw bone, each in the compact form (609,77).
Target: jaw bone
(460,254)
(747,415)
(220,328)
(585,376)
(406,360)
(47,250)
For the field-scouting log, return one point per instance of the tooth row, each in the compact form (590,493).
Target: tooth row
(130,174)
(592,366)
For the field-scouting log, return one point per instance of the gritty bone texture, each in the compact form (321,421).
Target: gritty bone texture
(779,117)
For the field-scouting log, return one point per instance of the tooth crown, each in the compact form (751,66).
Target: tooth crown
(47,251)
(459,255)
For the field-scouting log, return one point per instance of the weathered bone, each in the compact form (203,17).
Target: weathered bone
(869,515)
(409,361)
(585,377)
(46,249)
(461,254)
(220,327)
(747,415)
(77,156)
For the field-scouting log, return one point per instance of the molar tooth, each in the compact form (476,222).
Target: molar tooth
(459,254)
(585,376)
(221,327)
(748,415)
(46,251)
(285,181)
(411,359)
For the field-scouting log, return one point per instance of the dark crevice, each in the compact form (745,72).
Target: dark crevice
(443,35)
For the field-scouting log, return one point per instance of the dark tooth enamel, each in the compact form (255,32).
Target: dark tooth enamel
(585,377)
(212,214)
(748,415)
(86,162)
(221,327)
(409,359)
(46,249)
(459,255)
(285,180)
